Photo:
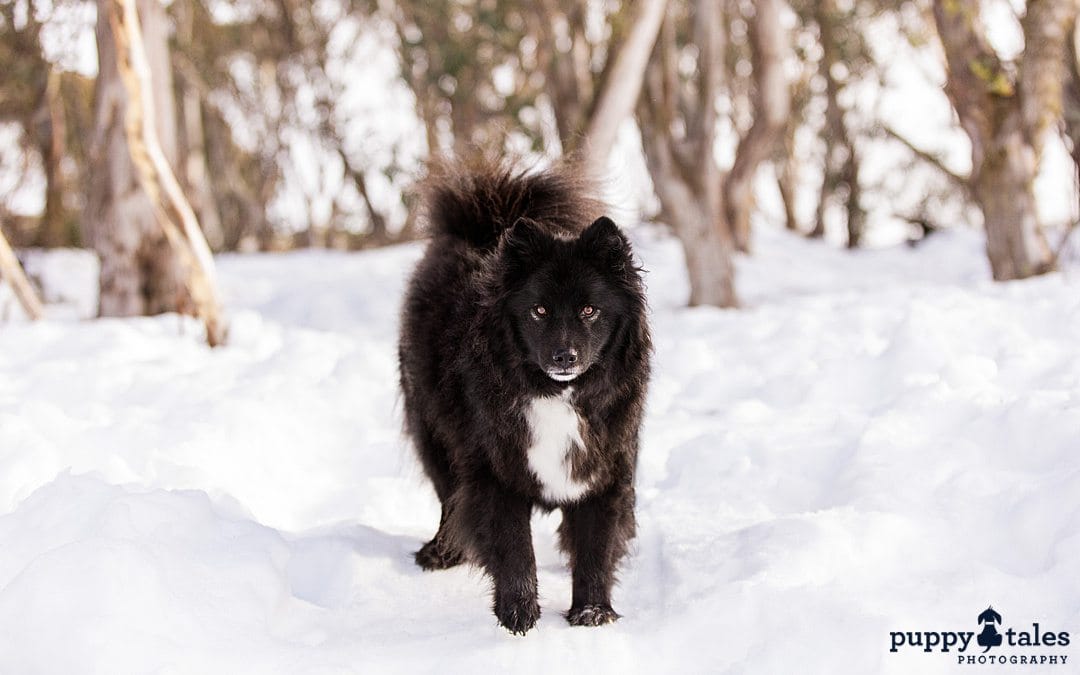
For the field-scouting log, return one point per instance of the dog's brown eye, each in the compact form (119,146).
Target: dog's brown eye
(588,310)
(540,310)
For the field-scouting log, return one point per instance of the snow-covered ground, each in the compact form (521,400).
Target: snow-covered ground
(879,441)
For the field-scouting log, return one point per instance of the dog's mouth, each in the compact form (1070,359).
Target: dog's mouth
(564,375)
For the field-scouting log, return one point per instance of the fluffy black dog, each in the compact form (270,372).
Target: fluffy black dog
(524,359)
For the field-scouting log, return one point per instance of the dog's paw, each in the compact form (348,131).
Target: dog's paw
(591,615)
(517,614)
(436,556)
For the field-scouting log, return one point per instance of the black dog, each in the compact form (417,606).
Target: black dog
(524,360)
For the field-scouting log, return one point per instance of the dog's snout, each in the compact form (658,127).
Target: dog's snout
(564,358)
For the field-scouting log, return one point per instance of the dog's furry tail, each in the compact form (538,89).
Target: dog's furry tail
(478,200)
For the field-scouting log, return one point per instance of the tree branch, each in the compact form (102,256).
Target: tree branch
(959,181)
(621,89)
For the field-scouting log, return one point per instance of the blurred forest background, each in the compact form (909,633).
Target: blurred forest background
(279,124)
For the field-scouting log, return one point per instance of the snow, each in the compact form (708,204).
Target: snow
(66,279)
(878,441)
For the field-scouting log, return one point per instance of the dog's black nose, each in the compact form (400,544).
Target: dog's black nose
(564,357)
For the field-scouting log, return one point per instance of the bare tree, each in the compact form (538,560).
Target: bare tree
(153,254)
(171,207)
(677,114)
(449,52)
(1006,109)
(139,273)
(547,58)
(593,83)
(678,123)
(620,89)
(787,160)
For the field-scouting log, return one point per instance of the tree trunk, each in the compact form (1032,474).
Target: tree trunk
(786,181)
(787,176)
(771,101)
(615,101)
(155,177)
(841,166)
(49,135)
(561,80)
(1071,96)
(1004,113)
(378,234)
(139,273)
(196,172)
(1004,189)
(686,179)
(708,257)
(856,216)
(693,217)
(818,230)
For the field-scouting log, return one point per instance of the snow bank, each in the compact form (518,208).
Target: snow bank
(878,441)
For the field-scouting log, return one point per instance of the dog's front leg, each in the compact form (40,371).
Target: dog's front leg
(503,540)
(595,533)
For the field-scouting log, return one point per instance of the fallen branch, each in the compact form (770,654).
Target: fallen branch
(11,270)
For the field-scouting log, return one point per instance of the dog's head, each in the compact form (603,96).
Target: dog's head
(568,297)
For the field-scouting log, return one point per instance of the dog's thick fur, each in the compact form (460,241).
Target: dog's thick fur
(524,338)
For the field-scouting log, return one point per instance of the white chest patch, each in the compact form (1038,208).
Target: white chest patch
(556,432)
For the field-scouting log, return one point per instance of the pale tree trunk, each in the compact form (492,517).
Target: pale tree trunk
(787,162)
(1004,189)
(615,101)
(196,172)
(771,101)
(684,171)
(856,216)
(139,273)
(678,123)
(787,180)
(169,207)
(708,253)
(590,104)
(12,272)
(1005,115)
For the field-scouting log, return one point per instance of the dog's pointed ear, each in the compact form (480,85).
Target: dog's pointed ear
(525,240)
(605,241)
